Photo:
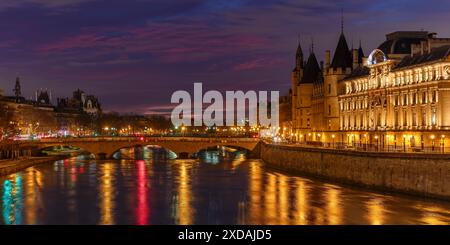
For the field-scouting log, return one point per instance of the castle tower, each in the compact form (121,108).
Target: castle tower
(340,67)
(305,87)
(297,74)
(17,89)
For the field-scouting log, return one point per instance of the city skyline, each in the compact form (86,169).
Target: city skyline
(145,50)
(224,113)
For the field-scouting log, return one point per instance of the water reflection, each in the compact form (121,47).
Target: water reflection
(227,189)
(184,206)
(12,200)
(142,211)
(106,193)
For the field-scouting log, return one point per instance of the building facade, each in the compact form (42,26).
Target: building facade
(38,116)
(397,97)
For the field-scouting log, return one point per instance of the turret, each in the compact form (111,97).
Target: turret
(327,59)
(17,89)
(299,57)
(355,58)
(342,57)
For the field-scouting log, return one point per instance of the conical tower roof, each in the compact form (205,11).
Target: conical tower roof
(342,57)
(360,54)
(312,70)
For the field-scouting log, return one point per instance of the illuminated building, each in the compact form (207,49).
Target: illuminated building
(398,96)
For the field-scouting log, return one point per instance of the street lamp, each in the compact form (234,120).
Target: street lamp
(376,137)
(333,136)
(432,142)
(443,143)
(183,128)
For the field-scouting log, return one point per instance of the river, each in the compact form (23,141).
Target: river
(211,190)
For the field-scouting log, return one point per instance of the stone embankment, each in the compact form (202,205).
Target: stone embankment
(11,166)
(412,173)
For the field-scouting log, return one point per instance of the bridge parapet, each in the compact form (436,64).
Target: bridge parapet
(109,145)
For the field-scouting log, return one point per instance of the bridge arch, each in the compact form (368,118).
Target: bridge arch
(142,151)
(106,147)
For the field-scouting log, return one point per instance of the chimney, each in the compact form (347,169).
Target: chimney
(355,58)
(327,59)
(321,65)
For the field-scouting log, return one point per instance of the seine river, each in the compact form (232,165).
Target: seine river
(212,190)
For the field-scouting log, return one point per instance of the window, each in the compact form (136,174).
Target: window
(405,118)
(414,119)
(329,88)
(424,118)
(433,118)
(424,97)
(396,118)
(329,110)
(361,120)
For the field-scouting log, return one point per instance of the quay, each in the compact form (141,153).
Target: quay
(422,174)
(9,166)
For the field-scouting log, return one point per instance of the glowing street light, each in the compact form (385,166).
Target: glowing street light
(432,142)
(376,137)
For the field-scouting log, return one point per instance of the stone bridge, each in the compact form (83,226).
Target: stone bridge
(105,147)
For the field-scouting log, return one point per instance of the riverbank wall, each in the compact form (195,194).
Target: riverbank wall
(420,174)
(13,166)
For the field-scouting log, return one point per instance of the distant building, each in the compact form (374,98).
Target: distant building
(43,97)
(19,115)
(80,102)
(25,116)
(285,109)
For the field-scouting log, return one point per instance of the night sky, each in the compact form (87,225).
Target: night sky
(133,54)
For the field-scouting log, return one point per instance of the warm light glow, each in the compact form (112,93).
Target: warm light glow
(376,137)
(332,136)
(432,136)
(107,196)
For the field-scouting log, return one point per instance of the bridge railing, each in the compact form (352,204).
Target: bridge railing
(141,139)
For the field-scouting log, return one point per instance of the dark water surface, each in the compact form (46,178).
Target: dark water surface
(211,191)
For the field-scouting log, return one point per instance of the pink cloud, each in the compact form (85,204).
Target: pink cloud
(257,63)
(169,42)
